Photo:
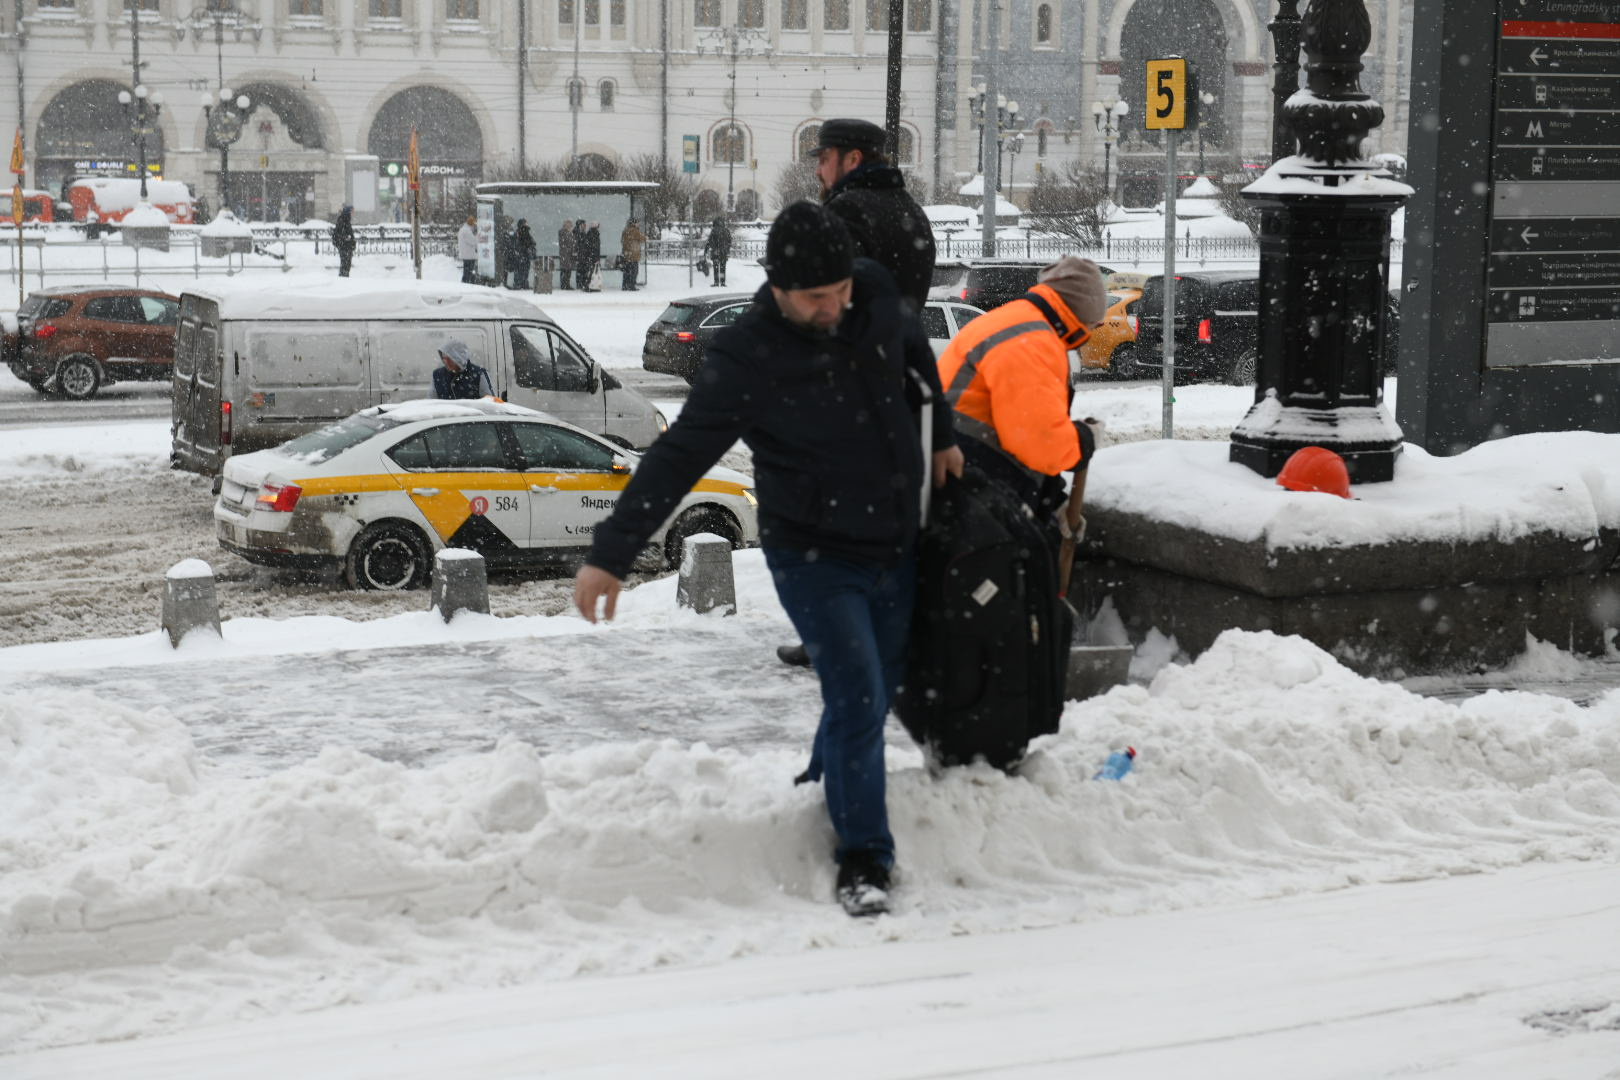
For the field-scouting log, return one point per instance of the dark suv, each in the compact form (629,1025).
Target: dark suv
(1217,328)
(73,340)
(988,283)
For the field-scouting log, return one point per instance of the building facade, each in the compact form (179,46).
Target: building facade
(731,90)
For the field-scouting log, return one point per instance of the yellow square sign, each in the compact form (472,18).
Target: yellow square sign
(1166,95)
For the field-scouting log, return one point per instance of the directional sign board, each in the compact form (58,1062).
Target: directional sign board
(1169,96)
(1554,269)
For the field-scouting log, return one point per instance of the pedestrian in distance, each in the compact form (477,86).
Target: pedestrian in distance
(566,251)
(591,257)
(1006,376)
(631,244)
(582,264)
(860,185)
(717,249)
(818,378)
(458,378)
(523,249)
(467,250)
(888,227)
(343,239)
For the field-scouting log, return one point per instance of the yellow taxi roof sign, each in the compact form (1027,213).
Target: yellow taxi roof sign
(1167,95)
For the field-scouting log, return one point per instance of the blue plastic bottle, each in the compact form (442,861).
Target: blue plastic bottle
(1118,764)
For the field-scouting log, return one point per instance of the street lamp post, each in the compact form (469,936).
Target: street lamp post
(1207,99)
(141,108)
(225,118)
(1015,146)
(1108,117)
(732,39)
(1006,117)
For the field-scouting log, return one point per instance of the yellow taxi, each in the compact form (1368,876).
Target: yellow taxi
(1116,336)
(378,493)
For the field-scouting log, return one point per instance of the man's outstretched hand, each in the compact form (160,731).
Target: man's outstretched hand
(591,584)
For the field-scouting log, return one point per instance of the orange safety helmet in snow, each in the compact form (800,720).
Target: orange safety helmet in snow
(1315,468)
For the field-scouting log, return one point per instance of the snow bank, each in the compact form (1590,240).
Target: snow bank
(145,215)
(1266,768)
(1507,489)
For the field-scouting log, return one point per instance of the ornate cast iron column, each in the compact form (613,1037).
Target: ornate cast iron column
(1324,268)
(1285,74)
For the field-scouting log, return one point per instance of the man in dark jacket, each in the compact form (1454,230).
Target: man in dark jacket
(816,380)
(523,249)
(566,253)
(860,186)
(343,240)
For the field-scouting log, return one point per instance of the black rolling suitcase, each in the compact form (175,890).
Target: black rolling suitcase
(989,649)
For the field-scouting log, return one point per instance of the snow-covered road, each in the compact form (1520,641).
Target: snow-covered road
(1479,977)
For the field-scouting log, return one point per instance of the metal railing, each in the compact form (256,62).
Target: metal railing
(64,253)
(960,245)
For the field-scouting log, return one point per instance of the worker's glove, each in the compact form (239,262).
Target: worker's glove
(1088,430)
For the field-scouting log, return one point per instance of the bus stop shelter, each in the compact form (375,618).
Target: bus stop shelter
(545,205)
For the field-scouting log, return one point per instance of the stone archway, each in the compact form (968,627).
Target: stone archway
(83,129)
(279,156)
(1197,30)
(450,141)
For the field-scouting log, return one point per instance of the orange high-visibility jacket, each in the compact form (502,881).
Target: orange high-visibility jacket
(1008,370)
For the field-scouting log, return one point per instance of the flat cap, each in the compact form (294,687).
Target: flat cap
(861,135)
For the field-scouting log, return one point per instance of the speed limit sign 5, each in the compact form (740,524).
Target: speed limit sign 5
(1171,95)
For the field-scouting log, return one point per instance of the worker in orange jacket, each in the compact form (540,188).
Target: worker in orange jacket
(1007,376)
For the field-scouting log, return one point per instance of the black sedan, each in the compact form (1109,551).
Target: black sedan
(675,343)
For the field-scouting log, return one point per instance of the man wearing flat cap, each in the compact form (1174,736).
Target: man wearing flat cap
(817,378)
(860,185)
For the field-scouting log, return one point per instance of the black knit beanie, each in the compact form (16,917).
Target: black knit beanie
(808,247)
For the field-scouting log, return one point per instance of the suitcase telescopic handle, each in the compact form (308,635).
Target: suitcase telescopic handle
(925,438)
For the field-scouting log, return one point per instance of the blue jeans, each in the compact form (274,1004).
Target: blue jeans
(854,619)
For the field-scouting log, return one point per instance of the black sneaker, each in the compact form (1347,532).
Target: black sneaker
(863,886)
(793,655)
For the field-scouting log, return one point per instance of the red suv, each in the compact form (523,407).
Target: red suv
(73,340)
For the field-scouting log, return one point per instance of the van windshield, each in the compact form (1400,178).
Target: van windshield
(330,441)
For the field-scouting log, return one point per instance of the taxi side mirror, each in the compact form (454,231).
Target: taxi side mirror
(620,467)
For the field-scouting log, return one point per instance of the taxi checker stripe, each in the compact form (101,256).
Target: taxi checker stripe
(970,365)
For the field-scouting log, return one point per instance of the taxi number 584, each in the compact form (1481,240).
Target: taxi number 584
(506,502)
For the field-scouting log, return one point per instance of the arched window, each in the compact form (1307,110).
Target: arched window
(729,145)
(606,91)
(835,14)
(751,14)
(705,12)
(576,93)
(1043,24)
(795,14)
(809,136)
(908,148)
(706,207)
(748,204)
(919,15)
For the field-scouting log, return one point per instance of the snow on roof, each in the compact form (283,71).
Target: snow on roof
(949,213)
(1201,188)
(121,193)
(411,412)
(363,298)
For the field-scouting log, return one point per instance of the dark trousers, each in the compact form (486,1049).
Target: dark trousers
(469,271)
(854,620)
(345,261)
(520,274)
(719,269)
(631,271)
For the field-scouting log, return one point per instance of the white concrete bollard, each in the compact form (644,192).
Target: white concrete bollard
(706,580)
(460,583)
(189,602)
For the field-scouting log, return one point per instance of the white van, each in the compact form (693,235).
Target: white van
(255,366)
